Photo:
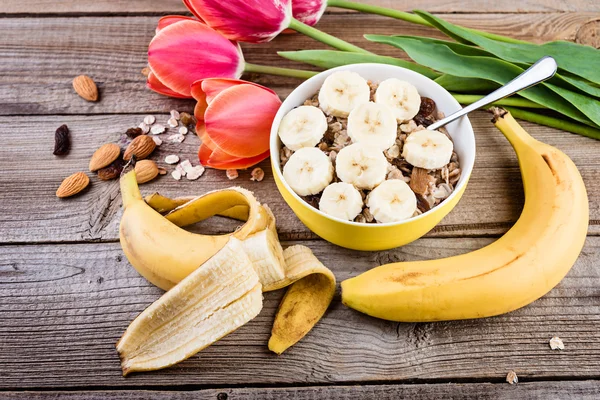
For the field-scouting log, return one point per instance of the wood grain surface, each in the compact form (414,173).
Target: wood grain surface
(63,307)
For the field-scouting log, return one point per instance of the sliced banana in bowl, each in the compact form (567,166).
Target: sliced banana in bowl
(304,126)
(341,200)
(308,171)
(401,96)
(343,91)
(361,165)
(428,149)
(374,124)
(392,201)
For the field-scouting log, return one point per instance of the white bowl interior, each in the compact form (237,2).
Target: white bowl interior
(461,130)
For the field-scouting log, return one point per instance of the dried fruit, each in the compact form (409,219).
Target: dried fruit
(134,132)
(86,88)
(556,343)
(104,156)
(427,107)
(73,185)
(172,159)
(112,171)
(257,174)
(62,141)
(186,119)
(145,171)
(141,147)
(512,378)
(232,174)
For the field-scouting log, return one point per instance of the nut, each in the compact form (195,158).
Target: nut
(512,378)
(141,147)
(231,174)
(257,174)
(62,141)
(86,88)
(186,119)
(112,171)
(145,171)
(104,156)
(73,185)
(556,343)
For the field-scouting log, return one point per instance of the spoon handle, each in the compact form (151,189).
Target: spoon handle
(543,69)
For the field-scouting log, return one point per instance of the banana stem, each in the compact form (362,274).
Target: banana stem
(408,17)
(325,37)
(130,191)
(510,101)
(265,69)
(557,123)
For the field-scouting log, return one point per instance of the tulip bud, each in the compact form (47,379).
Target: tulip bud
(308,11)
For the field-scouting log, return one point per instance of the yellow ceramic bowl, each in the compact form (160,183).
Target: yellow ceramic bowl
(360,236)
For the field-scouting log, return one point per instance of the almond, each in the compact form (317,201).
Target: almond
(86,88)
(141,147)
(104,156)
(145,171)
(73,185)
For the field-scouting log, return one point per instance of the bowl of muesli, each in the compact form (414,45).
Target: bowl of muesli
(352,156)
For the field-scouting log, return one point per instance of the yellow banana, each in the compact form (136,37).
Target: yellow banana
(521,266)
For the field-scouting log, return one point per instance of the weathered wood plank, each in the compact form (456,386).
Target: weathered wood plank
(40,56)
(176,6)
(63,307)
(30,174)
(564,390)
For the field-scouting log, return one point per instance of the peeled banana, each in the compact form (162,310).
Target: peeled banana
(521,266)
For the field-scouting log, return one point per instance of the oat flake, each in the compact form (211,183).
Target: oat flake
(172,159)
(157,140)
(175,114)
(195,172)
(180,169)
(232,174)
(183,130)
(157,129)
(556,343)
(149,119)
(176,138)
(144,127)
(186,166)
(512,378)
(176,175)
(173,123)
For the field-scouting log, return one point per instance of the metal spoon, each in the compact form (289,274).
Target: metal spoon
(543,69)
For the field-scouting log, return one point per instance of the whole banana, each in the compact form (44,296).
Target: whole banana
(521,266)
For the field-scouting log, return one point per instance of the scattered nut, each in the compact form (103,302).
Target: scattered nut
(512,378)
(62,141)
(176,175)
(144,127)
(145,71)
(173,123)
(112,171)
(134,132)
(172,159)
(157,140)
(149,119)
(141,147)
(556,343)
(186,119)
(157,129)
(104,156)
(176,138)
(73,185)
(195,173)
(175,114)
(419,180)
(232,174)
(162,171)
(183,130)
(257,174)
(86,88)
(145,171)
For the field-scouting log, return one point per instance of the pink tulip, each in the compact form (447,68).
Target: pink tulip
(308,11)
(185,50)
(253,21)
(234,122)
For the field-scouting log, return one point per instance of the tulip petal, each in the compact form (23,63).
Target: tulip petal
(201,103)
(212,87)
(204,154)
(169,20)
(221,160)
(154,84)
(252,21)
(186,51)
(308,11)
(239,119)
(190,7)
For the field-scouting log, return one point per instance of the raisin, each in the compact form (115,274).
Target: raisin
(421,120)
(134,132)
(329,137)
(313,200)
(62,141)
(112,171)
(427,107)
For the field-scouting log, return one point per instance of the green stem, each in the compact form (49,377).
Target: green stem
(510,101)
(552,122)
(325,37)
(408,17)
(265,69)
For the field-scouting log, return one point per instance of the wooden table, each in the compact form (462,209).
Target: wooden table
(67,293)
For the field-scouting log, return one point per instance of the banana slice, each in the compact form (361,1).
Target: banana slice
(302,127)
(401,96)
(341,200)
(361,165)
(427,149)
(374,124)
(342,92)
(308,171)
(392,201)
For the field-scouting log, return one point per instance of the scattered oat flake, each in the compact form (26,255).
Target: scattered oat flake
(232,174)
(183,130)
(176,175)
(162,171)
(176,138)
(175,114)
(149,119)
(556,343)
(173,123)
(257,174)
(195,173)
(157,129)
(186,166)
(172,159)
(144,127)
(179,168)
(157,140)
(512,378)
